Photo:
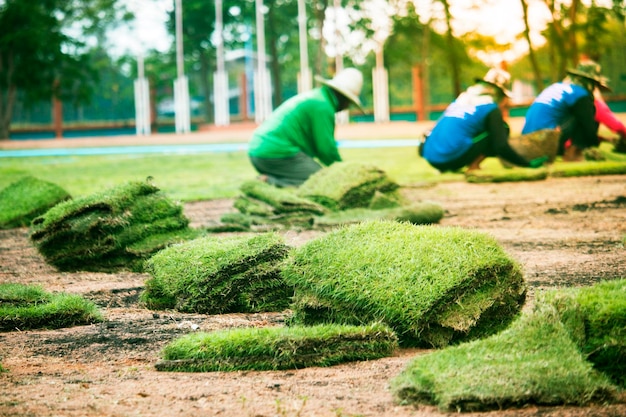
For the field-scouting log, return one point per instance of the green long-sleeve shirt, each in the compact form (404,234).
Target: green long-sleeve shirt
(303,123)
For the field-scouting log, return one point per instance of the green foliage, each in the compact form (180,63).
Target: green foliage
(432,285)
(534,361)
(215,275)
(26,307)
(277,348)
(26,199)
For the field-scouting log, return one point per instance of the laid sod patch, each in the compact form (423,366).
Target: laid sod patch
(587,168)
(24,307)
(346,185)
(112,230)
(216,275)
(533,362)
(432,285)
(277,348)
(512,174)
(27,198)
(419,213)
(596,320)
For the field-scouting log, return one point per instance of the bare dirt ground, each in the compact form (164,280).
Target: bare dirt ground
(565,232)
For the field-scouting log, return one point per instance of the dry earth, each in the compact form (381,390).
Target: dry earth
(565,232)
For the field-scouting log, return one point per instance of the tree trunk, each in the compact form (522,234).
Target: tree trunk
(531,52)
(274,64)
(7,97)
(205,81)
(320,15)
(454,64)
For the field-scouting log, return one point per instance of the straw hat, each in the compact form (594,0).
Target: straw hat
(590,70)
(347,82)
(498,78)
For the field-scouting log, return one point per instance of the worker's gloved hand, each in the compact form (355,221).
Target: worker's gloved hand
(538,162)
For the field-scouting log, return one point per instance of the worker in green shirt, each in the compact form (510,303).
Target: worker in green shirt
(286,147)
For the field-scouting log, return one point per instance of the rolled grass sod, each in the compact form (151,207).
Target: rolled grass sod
(534,361)
(216,275)
(26,199)
(110,230)
(24,307)
(346,185)
(533,145)
(595,317)
(277,348)
(433,285)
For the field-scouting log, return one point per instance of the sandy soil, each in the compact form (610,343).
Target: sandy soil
(565,232)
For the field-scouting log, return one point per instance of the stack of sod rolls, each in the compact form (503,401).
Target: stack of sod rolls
(346,185)
(277,348)
(215,275)
(564,351)
(432,285)
(343,193)
(116,229)
(27,198)
(262,204)
(24,307)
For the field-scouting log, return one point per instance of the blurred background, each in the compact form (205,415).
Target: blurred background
(110,67)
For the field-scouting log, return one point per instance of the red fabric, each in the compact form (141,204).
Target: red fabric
(605,116)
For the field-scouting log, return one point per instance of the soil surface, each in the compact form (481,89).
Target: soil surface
(565,232)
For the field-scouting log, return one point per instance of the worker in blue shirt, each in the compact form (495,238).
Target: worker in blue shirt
(569,106)
(473,128)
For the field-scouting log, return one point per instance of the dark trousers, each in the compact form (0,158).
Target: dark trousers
(286,172)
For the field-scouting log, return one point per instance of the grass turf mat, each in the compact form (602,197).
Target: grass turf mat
(26,199)
(282,200)
(346,185)
(532,362)
(578,169)
(514,174)
(596,319)
(277,348)
(417,213)
(413,278)
(216,275)
(24,307)
(95,232)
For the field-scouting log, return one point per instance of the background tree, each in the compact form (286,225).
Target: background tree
(39,60)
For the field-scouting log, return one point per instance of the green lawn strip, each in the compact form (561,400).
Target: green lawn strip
(345,185)
(499,174)
(532,362)
(216,275)
(596,319)
(27,307)
(588,168)
(277,348)
(94,232)
(413,278)
(416,213)
(27,198)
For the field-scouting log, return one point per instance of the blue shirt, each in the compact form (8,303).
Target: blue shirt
(553,106)
(453,133)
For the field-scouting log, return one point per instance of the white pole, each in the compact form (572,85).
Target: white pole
(142,100)
(263,100)
(381,88)
(181,84)
(305,81)
(220,83)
